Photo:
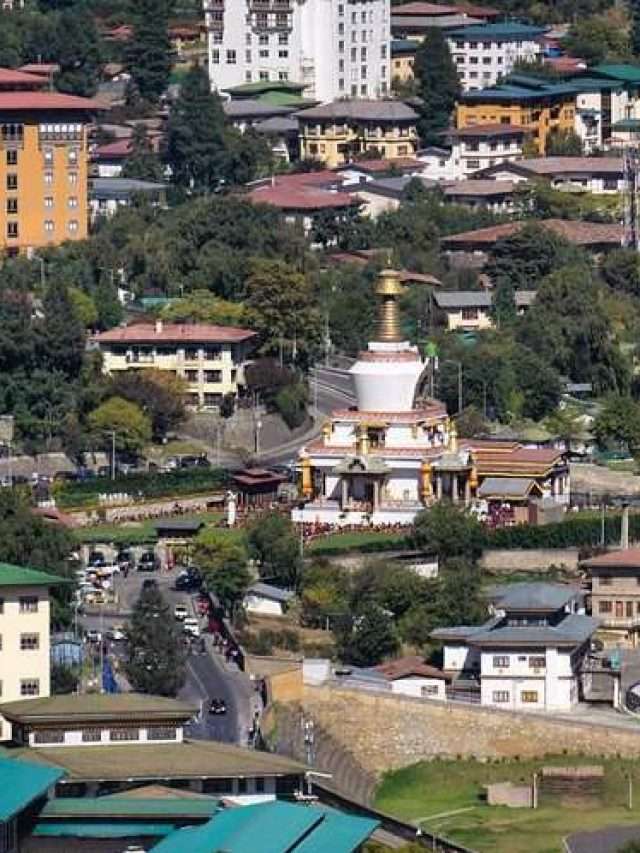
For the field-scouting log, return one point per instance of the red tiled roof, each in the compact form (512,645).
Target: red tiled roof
(566,63)
(424,9)
(12,79)
(174,333)
(580,233)
(301,198)
(407,666)
(480,11)
(117,148)
(42,69)
(47,101)
(627,558)
(478,187)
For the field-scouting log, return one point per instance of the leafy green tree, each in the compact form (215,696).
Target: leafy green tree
(148,54)
(281,307)
(131,426)
(621,271)
(596,39)
(196,147)
(563,143)
(273,542)
(158,394)
(155,657)
(61,339)
(291,403)
(618,423)
(449,531)
(370,638)
(84,307)
(471,422)
(437,86)
(76,48)
(567,423)
(224,563)
(142,163)
(64,679)
(201,306)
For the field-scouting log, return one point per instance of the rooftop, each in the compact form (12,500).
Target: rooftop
(266,590)
(13,79)
(626,73)
(382,165)
(137,762)
(424,9)
(474,187)
(96,706)
(505,30)
(628,558)
(361,110)
(569,165)
(46,101)
(21,783)
(579,233)
(276,827)
(115,806)
(24,576)
(462,299)
(516,488)
(536,596)
(186,333)
(301,198)
(411,665)
(420,23)
(572,631)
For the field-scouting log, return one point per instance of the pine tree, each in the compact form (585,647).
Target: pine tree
(61,341)
(149,52)
(156,660)
(142,163)
(437,85)
(196,147)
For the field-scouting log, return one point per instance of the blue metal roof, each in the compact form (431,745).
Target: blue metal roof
(21,783)
(275,827)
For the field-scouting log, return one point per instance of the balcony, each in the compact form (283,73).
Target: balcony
(140,358)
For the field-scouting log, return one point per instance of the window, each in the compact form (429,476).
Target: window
(619,609)
(429,690)
(49,736)
(12,230)
(29,687)
(537,662)
(259,784)
(500,662)
(264,54)
(628,608)
(606,581)
(73,225)
(604,607)
(29,642)
(211,400)
(191,375)
(48,226)
(12,181)
(124,734)
(469,313)
(242,786)
(500,696)
(213,376)
(215,57)
(529,697)
(1,606)
(28,604)
(12,157)
(231,57)
(48,202)
(161,733)
(91,735)
(47,154)
(12,205)
(191,354)
(473,164)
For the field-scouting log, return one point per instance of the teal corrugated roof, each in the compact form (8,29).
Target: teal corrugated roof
(275,827)
(74,829)
(399,46)
(21,783)
(504,30)
(338,832)
(71,807)
(628,124)
(25,576)
(626,73)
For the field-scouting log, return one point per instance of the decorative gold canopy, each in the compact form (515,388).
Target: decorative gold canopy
(388,289)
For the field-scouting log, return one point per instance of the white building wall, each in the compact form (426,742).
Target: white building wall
(73,737)
(483,62)
(336,48)
(458,657)
(509,680)
(422,688)
(262,606)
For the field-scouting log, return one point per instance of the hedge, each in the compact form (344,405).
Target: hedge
(574,532)
(152,485)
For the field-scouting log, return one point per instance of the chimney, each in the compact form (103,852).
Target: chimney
(624,527)
(159,327)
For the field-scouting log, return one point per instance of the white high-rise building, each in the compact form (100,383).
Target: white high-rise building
(336,48)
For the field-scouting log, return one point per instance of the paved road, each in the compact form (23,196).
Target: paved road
(207,675)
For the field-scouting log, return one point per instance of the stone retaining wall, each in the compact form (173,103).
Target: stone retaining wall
(388,732)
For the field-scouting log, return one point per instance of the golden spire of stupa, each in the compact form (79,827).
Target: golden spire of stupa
(387,290)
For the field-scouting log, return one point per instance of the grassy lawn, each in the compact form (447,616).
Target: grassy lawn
(137,533)
(354,540)
(429,792)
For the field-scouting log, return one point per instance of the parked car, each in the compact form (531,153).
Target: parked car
(148,562)
(180,612)
(96,558)
(194,462)
(93,636)
(191,626)
(217,706)
(189,580)
(116,634)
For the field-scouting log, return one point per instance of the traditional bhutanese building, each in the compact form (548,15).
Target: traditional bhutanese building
(397,452)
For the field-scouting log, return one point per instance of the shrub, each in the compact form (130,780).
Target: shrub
(291,404)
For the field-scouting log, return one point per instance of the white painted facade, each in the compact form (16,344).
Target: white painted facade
(336,48)
(24,620)
(529,680)
(103,736)
(262,606)
(577,180)
(420,688)
(483,61)
(597,106)
(469,154)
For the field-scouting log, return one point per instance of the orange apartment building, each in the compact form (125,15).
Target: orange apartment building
(43,164)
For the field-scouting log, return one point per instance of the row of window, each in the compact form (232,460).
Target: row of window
(26,604)
(209,353)
(13,230)
(28,687)
(528,697)
(621,609)
(72,156)
(12,178)
(28,642)
(44,736)
(263,39)
(209,376)
(607,580)
(487,45)
(473,60)
(504,661)
(12,203)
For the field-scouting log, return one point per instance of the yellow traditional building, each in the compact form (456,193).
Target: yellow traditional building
(403,56)
(341,131)
(43,164)
(538,106)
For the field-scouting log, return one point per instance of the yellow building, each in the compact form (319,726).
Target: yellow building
(403,56)
(24,635)
(538,106)
(209,358)
(341,131)
(43,165)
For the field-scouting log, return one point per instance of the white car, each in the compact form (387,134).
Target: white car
(191,626)
(116,634)
(180,612)
(94,636)
(109,570)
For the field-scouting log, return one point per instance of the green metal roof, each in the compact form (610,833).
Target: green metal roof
(21,783)
(404,46)
(132,829)
(505,30)
(247,90)
(626,73)
(96,706)
(628,124)
(25,576)
(139,807)
(275,827)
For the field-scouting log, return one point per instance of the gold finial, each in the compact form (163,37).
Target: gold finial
(388,289)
